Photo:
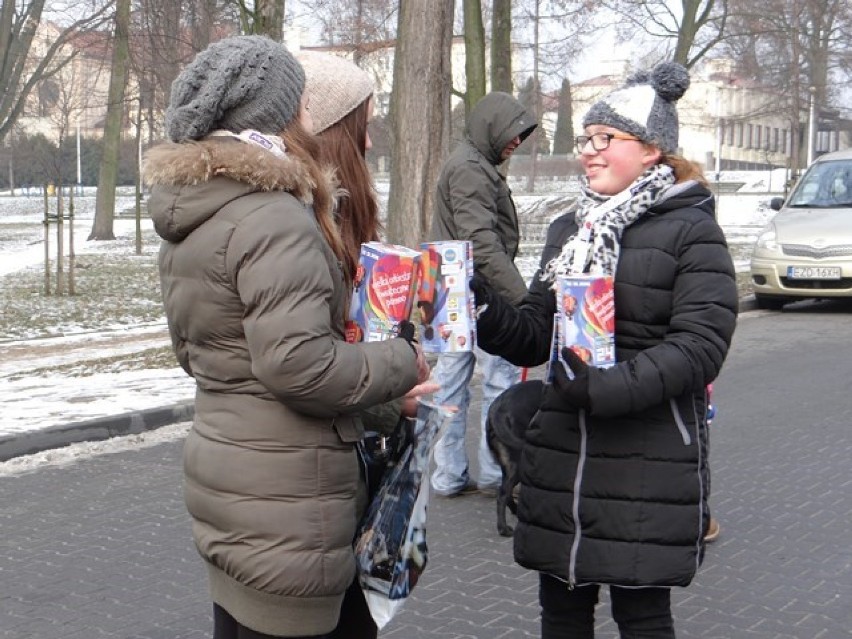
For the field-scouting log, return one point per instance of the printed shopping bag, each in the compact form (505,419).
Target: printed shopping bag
(390,548)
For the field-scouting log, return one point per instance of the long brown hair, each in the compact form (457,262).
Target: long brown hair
(306,148)
(684,169)
(343,146)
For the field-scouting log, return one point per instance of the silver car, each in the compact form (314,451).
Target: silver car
(805,251)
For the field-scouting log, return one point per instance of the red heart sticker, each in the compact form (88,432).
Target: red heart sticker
(389,291)
(599,307)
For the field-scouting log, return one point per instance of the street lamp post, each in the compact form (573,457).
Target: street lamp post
(720,132)
(811,125)
(79,164)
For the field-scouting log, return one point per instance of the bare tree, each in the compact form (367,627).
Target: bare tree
(358,25)
(799,50)
(265,17)
(563,136)
(686,35)
(21,72)
(420,115)
(165,36)
(554,32)
(474,54)
(102,226)
(558,29)
(501,46)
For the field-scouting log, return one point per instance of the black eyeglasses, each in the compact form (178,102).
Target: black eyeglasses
(600,141)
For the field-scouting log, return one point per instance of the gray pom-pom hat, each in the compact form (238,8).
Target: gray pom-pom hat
(645,106)
(238,83)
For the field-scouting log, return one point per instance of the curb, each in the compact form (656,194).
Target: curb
(97,429)
(748,303)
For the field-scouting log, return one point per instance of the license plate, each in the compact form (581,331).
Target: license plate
(813,272)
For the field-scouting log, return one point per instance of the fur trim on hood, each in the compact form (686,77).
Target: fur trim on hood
(192,163)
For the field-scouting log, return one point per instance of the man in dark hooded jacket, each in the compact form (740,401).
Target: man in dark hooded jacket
(474,203)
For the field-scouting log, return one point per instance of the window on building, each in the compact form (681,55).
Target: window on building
(48,96)
(740,128)
(382,105)
(750,137)
(776,139)
(758,130)
(731,134)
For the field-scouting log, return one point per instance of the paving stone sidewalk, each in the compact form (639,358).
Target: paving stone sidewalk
(102,548)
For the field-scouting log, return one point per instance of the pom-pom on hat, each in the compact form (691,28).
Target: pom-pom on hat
(239,83)
(645,106)
(335,87)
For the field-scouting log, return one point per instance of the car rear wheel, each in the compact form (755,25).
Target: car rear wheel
(770,303)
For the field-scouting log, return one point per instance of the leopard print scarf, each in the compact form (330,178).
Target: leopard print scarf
(601,220)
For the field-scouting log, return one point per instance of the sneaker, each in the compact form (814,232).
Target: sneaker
(713,530)
(469,489)
(489,490)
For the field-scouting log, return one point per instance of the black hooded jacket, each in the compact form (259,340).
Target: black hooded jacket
(618,494)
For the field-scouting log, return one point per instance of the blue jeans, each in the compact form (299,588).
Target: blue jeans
(454,372)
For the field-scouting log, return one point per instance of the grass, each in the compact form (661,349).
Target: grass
(113,288)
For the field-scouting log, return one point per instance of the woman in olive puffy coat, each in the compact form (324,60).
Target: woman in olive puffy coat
(256,289)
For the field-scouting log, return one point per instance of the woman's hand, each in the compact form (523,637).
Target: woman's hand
(423,369)
(410,399)
(407,331)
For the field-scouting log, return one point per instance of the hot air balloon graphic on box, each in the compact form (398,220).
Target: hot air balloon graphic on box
(385,283)
(445,314)
(586,305)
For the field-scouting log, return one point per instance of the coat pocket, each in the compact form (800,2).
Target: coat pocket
(349,428)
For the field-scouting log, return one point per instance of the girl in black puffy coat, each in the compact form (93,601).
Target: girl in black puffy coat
(614,474)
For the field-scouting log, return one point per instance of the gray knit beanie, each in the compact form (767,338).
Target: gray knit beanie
(645,106)
(241,82)
(335,87)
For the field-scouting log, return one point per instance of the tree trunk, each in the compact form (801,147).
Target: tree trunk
(269,18)
(102,227)
(536,102)
(563,137)
(687,32)
(474,54)
(46,242)
(501,46)
(60,241)
(419,114)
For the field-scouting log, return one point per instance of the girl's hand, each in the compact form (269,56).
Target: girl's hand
(410,399)
(423,370)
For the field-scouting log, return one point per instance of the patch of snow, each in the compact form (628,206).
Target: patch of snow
(37,402)
(73,453)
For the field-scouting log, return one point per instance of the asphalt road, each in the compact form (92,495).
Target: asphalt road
(102,548)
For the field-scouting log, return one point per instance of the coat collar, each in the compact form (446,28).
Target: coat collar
(175,164)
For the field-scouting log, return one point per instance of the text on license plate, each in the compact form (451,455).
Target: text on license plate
(813,272)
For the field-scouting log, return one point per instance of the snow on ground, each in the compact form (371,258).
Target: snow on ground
(82,450)
(36,402)
(31,403)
